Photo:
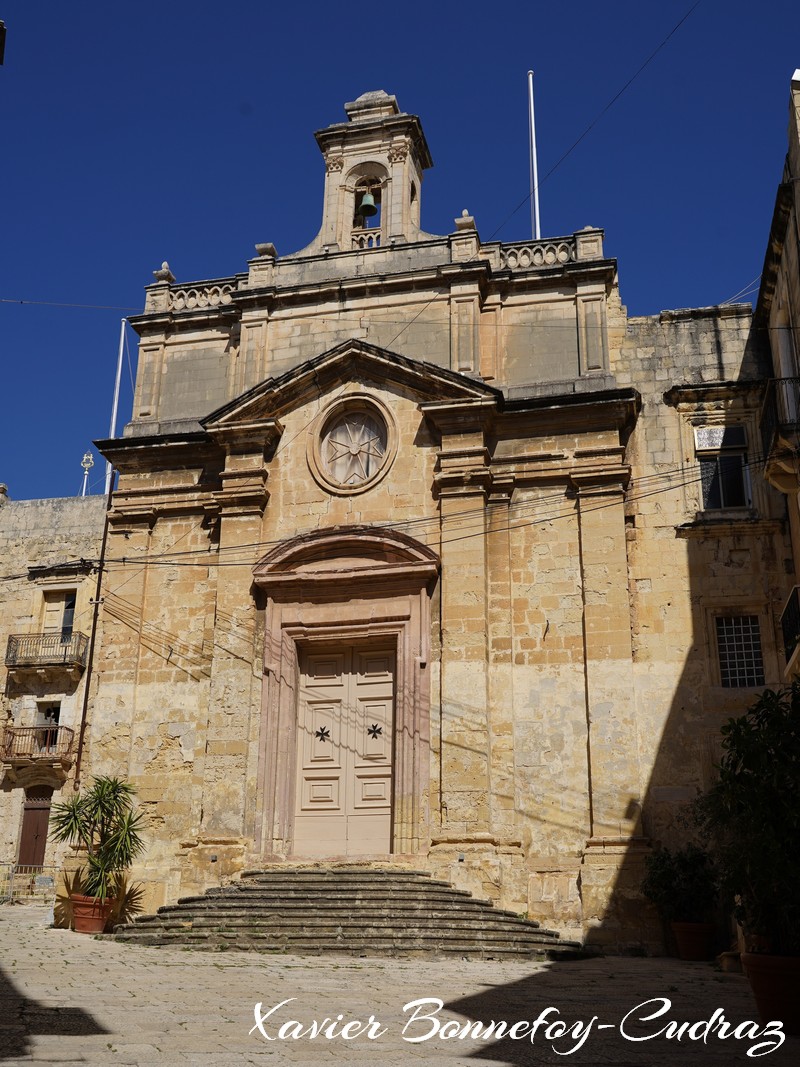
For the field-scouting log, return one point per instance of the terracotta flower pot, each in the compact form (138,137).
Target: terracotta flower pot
(775,981)
(695,940)
(90,914)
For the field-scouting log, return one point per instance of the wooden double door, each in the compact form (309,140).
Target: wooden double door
(35,819)
(343,799)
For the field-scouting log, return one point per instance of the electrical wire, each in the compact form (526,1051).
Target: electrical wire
(643,481)
(597,118)
(64,304)
(742,292)
(209,560)
(206,557)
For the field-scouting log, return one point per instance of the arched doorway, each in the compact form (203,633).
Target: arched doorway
(345,737)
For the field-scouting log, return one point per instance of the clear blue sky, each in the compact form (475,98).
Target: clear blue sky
(133,133)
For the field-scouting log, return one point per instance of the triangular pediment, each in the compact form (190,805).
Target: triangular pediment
(350,361)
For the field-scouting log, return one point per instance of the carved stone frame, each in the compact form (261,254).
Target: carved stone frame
(345,584)
(350,402)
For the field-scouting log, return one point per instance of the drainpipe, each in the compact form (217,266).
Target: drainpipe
(92,639)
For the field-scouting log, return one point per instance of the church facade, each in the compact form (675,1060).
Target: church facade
(424,552)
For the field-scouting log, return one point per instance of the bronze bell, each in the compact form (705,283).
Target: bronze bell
(367,206)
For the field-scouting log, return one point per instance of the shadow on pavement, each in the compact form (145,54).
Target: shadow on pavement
(22,1018)
(607,1005)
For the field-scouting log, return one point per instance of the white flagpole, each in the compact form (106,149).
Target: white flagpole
(113,430)
(536,230)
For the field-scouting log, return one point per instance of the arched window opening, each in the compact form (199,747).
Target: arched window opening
(367,214)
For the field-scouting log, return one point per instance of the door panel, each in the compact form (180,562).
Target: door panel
(35,818)
(344,751)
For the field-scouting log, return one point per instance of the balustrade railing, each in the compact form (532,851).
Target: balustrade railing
(366,238)
(47,650)
(36,743)
(200,296)
(527,254)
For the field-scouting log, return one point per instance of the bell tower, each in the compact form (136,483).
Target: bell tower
(373,174)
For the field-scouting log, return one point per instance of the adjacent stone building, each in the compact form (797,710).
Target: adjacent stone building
(423,551)
(48,553)
(777,320)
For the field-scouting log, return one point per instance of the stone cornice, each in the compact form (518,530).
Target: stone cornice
(258,435)
(600,481)
(458,416)
(598,271)
(774,253)
(616,409)
(360,360)
(358,558)
(266,298)
(181,451)
(726,526)
(383,128)
(691,395)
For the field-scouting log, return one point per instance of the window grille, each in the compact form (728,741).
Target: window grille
(741,662)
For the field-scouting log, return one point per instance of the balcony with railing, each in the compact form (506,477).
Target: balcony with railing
(37,755)
(780,416)
(31,744)
(40,651)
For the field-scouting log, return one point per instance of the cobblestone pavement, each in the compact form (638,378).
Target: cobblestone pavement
(70,999)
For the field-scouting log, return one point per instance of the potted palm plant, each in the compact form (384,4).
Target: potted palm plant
(102,821)
(751,819)
(683,886)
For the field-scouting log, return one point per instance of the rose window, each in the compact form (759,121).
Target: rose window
(353,447)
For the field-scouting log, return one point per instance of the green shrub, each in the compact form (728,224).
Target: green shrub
(751,819)
(682,884)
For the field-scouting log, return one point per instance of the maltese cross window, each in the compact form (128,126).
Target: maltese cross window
(353,447)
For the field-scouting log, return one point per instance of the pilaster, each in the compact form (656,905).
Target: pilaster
(612,865)
(463,480)
(233,724)
(614,773)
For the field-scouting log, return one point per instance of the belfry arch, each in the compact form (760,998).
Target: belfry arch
(339,594)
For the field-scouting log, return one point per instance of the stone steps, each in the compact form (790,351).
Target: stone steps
(340,917)
(326,926)
(346,910)
(245,898)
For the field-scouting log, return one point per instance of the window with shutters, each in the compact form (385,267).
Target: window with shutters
(724,472)
(59,612)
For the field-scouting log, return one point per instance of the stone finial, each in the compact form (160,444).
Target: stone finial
(165,274)
(3,493)
(267,250)
(466,222)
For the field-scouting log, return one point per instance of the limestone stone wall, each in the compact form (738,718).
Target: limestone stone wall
(538,549)
(686,565)
(777,322)
(42,534)
(574,689)
(519,315)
